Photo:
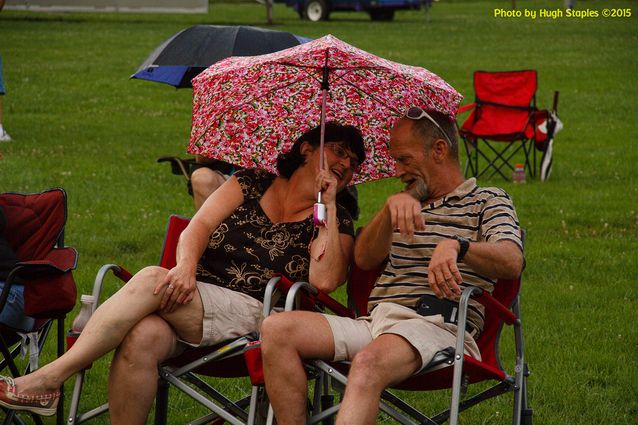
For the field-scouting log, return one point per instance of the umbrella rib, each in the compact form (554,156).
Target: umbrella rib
(348,70)
(375,98)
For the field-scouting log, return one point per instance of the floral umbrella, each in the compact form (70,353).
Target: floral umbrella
(246,110)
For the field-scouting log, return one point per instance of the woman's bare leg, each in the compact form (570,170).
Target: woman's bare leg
(149,343)
(107,328)
(134,370)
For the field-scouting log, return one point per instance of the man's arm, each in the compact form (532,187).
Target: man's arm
(400,211)
(498,260)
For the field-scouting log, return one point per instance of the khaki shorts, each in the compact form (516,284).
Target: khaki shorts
(227,314)
(427,334)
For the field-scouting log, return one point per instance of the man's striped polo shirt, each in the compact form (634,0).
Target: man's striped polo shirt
(478,214)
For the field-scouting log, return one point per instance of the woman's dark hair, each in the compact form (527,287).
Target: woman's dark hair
(351,137)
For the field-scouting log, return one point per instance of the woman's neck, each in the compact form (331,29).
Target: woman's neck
(288,200)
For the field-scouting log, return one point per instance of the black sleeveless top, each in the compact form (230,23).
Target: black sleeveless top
(247,248)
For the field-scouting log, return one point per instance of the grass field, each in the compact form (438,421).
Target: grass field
(79,123)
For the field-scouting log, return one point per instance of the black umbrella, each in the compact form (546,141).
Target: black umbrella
(184,55)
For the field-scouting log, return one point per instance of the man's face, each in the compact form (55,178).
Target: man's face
(411,159)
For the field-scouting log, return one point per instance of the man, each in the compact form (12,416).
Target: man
(440,234)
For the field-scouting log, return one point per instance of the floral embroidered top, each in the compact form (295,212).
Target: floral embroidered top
(247,248)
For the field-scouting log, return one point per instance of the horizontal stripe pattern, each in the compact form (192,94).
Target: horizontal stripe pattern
(478,214)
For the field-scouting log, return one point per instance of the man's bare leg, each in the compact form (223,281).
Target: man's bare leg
(386,360)
(287,338)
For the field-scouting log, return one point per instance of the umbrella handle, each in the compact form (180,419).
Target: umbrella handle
(319,214)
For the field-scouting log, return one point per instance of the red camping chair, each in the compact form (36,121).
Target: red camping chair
(502,307)
(35,232)
(222,361)
(503,121)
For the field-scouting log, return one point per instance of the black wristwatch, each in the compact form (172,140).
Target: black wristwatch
(464,244)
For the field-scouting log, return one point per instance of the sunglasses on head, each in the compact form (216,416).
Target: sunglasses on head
(415,113)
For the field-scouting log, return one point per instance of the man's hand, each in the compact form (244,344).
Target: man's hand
(443,274)
(405,213)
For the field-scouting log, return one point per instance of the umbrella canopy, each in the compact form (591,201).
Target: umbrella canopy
(184,55)
(248,110)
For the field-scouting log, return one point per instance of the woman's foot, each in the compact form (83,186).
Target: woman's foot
(41,404)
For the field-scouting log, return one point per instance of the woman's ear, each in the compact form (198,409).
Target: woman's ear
(306,148)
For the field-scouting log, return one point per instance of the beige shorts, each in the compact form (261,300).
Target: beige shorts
(227,314)
(427,334)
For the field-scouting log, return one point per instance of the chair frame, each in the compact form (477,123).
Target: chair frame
(46,325)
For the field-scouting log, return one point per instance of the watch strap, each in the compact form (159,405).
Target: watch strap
(464,245)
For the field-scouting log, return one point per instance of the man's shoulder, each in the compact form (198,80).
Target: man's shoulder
(491,191)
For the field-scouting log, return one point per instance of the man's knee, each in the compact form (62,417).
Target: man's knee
(365,371)
(272,328)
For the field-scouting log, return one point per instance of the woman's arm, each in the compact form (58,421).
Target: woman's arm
(331,251)
(192,242)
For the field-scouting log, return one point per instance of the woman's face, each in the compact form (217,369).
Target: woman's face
(340,161)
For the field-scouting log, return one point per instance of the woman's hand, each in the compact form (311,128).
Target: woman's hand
(326,183)
(179,287)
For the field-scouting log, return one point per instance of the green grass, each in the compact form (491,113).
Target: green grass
(79,123)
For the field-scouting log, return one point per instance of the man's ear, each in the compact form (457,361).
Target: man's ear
(440,149)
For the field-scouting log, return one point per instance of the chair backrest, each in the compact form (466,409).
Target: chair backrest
(35,232)
(509,88)
(175,227)
(359,286)
(505,292)
(35,222)
(505,106)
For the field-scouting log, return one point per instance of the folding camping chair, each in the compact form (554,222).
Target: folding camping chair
(222,361)
(502,307)
(504,121)
(35,232)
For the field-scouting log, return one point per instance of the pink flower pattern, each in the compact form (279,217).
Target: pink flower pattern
(246,110)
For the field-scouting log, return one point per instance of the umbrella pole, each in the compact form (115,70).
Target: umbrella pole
(320,209)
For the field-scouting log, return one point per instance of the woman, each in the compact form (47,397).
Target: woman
(256,224)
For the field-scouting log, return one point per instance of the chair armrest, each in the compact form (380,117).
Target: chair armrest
(466,108)
(311,297)
(119,272)
(178,165)
(58,260)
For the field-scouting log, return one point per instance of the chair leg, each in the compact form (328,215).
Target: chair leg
(59,416)
(161,402)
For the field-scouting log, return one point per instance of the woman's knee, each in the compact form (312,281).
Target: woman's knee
(151,339)
(146,279)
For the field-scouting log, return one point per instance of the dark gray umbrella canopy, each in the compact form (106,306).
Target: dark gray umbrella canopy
(184,55)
